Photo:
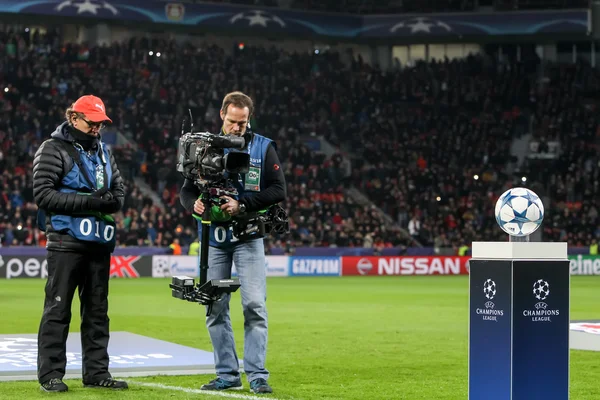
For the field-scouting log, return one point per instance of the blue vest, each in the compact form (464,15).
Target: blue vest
(221,233)
(89,227)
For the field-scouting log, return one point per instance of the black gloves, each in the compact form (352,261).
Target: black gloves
(102,200)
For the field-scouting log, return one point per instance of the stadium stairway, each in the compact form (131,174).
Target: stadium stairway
(520,148)
(123,139)
(147,191)
(353,192)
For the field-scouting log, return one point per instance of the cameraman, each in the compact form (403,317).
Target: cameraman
(261,188)
(76,186)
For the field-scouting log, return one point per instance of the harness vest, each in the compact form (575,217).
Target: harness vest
(94,174)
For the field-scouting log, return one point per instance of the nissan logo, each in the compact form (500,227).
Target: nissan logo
(364,266)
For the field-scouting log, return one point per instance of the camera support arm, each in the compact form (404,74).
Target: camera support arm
(206,292)
(204,297)
(205,237)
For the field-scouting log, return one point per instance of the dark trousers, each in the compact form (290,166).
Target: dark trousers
(89,272)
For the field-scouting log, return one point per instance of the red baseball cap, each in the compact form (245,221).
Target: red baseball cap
(92,107)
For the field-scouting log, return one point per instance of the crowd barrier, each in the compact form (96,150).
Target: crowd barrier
(162,266)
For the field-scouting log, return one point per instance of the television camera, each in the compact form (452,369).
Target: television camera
(213,162)
(202,158)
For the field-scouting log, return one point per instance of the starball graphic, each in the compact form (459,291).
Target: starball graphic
(87,6)
(489,289)
(541,291)
(489,313)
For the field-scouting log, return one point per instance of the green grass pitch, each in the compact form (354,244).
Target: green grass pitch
(329,338)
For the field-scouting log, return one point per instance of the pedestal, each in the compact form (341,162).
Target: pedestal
(519,321)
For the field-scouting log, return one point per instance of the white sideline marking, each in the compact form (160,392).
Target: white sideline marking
(198,391)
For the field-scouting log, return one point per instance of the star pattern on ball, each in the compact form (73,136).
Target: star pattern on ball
(532,197)
(519,211)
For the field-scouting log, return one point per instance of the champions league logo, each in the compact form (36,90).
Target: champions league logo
(489,313)
(421,25)
(257,17)
(108,9)
(20,352)
(489,289)
(160,267)
(541,291)
(94,7)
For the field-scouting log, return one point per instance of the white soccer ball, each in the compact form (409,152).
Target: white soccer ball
(519,212)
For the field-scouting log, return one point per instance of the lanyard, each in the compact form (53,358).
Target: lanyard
(100,170)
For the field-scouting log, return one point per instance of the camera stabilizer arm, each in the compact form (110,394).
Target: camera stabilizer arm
(205,292)
(202,159)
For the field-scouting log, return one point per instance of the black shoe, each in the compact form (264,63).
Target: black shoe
(54,385)
(260,385)
(108,383)
(222,384)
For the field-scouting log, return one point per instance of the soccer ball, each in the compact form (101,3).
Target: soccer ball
(519,212)
(541,289)
(489,289)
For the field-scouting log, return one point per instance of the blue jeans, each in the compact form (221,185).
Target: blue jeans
(249,258)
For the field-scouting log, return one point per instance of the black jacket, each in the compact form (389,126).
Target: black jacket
(50,164)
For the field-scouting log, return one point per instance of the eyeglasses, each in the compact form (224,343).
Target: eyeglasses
(94,125)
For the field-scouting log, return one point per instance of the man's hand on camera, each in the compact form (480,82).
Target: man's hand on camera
(199,207)
(232,207)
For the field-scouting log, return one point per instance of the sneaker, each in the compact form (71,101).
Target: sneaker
(54,385)
(222,384)
(108,383)
(260,385)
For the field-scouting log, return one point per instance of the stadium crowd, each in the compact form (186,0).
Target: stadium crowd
(566,112)
(142,97)
(423,133)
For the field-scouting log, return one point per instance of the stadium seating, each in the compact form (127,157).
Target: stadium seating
(149,113)
(566,112)
(432,141)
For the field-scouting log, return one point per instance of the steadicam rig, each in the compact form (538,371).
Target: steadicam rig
(210,161)
(202,158)
(205,292)
(184,288)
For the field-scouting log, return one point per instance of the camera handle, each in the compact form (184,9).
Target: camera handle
(207,292)
(204,246)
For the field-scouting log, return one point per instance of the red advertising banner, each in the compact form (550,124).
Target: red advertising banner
(12,267)
(405,265)
(124,267)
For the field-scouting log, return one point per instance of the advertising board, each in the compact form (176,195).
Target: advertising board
(23,266)
(405,265)
(315,266)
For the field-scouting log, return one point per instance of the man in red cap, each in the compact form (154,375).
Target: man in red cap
(77,187)
(92,108)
